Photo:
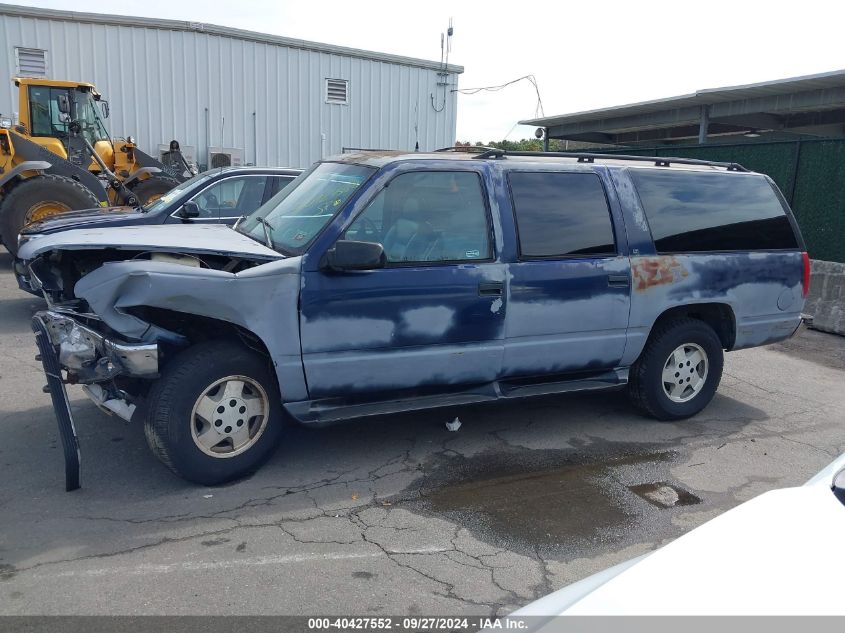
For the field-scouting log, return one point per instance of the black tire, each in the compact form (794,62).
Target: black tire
(171,403)
(24,198)
(646,388)
(152,188)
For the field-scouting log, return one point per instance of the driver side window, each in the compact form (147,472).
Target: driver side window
(427,217)
(230,197)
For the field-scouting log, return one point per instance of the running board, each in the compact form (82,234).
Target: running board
(331,410)
(605,380)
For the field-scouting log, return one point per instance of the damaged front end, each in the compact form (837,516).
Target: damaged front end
(91,357)
(96,362)
(121,304)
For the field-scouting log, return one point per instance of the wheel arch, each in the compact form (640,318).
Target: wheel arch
(197,328)
(13,175)
(719,316)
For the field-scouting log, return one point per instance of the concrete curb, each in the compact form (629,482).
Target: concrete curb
(827,296)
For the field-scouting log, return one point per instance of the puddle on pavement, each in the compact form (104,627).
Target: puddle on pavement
(541,502)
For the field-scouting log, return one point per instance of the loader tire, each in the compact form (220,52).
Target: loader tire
(38,198)
(149,190)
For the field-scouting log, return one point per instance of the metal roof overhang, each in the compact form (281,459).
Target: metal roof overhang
(776,105)
(213,29)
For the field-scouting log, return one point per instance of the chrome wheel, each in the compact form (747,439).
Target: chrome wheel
(685,372)
(230,416)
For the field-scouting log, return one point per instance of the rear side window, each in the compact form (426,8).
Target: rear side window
(561,214)
(694,211)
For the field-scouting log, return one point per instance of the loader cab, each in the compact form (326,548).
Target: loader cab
(49,108)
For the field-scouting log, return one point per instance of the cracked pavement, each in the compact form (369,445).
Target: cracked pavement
(394,515)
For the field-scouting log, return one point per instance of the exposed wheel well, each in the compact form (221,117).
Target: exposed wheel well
(197,328)
(718,316)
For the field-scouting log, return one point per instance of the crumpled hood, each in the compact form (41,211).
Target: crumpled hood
(111,216)
(186,238)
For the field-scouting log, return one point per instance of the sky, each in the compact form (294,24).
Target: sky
(586,54)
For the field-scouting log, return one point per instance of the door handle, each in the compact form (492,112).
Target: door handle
(490,289)
(618,281)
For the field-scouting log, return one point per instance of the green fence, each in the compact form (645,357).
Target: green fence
(811,174)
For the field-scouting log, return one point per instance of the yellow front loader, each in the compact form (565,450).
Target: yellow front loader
(59,157)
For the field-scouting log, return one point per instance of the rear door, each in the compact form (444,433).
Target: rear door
(570,286)
(433,318)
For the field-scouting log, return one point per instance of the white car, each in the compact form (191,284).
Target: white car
(778,554)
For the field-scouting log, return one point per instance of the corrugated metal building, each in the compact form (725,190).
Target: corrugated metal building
(264,99)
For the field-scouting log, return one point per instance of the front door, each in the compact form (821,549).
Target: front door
(433,317)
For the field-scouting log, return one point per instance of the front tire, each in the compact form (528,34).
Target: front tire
(215,414)
(679,370)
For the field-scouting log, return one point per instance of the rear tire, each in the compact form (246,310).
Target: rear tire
(191,425)
(679,370)
(153,188)
(47,194)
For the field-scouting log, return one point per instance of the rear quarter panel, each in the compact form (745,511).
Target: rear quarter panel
(763,288)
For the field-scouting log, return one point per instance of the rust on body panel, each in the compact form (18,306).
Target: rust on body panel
(649,272)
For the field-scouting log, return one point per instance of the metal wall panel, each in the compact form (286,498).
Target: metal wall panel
(207,89)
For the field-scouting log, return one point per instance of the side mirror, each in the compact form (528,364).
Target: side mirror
(189,210)
(104,106)
(63,103)
(349,255)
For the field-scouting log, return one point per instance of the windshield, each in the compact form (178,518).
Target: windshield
(295,215)
(187,186)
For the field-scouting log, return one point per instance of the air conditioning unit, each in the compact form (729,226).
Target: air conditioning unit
(225,157)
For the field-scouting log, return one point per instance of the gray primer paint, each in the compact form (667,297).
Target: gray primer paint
(262,299)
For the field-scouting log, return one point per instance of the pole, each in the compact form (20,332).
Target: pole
(703,124)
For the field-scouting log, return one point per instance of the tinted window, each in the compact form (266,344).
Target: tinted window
(279,183)
(695,211)
(231,197)
(432,216)
(561,214)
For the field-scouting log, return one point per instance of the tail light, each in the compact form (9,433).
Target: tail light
(805,290)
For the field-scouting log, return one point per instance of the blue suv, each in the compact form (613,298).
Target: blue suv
(386,282)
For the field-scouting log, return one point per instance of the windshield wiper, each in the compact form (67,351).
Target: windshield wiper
(267,228)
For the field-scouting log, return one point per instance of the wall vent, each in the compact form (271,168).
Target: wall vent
(337,91)
(31,62)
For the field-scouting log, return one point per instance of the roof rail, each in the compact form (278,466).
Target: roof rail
(659,161)
(471,149)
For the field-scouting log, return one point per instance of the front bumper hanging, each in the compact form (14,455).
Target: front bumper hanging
(61,405)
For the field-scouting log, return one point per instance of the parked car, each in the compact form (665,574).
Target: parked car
(386,282)
(774,555)
(215,196)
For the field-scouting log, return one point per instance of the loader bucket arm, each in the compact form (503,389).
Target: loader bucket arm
(26,150)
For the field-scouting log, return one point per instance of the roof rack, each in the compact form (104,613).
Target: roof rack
(659,161)
(471,149)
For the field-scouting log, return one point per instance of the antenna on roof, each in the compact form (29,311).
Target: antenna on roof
(443,74)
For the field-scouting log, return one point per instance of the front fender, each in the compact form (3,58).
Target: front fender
(262,300)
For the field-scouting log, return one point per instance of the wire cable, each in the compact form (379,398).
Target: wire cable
(538,110)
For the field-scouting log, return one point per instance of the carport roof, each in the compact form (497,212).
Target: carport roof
(775,101)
